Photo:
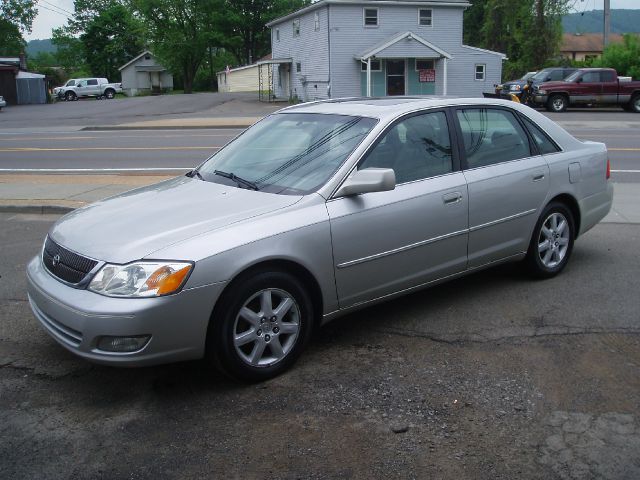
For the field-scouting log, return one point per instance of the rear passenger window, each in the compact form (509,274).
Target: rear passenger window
(491,136)
(607,76)
(93,81)
(545,144)
(415,148)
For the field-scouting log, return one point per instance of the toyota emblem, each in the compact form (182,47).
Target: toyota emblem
(56,260)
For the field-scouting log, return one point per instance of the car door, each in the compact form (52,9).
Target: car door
(385,242)
(507,184)
(610,87)
(92,87)
(586,89)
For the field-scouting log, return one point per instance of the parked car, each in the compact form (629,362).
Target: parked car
(316,211)
(3,102)
(90,87)
(589,86)
(59,91)
(516,87)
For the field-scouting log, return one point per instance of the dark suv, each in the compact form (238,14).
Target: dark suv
(552,74)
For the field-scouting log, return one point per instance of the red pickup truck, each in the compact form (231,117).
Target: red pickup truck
(589,86)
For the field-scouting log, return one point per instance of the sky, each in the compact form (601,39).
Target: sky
(51,13)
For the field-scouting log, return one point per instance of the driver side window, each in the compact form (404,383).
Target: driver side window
(416,148)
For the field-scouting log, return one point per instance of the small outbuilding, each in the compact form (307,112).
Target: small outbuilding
(145,74)
(19,87)
(243,79)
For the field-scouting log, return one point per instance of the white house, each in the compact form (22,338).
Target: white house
(242,79)
(145,74)
(341,48)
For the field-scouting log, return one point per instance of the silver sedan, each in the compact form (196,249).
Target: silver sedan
(315,211)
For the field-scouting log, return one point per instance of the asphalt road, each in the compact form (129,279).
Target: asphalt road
(491,376)
(183,149)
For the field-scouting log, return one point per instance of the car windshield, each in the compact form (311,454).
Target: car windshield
(288,153)
(541,75)
(527,76)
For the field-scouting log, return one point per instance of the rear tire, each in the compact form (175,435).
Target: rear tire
(260,326)
(634,104)
(552,241)
(557,103)
(109,93)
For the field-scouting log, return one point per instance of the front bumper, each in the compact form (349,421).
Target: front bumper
(540,98)
(77,319)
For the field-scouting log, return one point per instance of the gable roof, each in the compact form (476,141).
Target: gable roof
(586,42)
(322,3)
(146,52)
(392,40)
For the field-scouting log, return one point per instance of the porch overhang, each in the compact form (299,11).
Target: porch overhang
(403,45)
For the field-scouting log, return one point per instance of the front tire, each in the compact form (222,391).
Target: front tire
(557,103)
(260,327)
(552,241)
(70,96)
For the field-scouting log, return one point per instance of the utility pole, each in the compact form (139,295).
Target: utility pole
(607,22)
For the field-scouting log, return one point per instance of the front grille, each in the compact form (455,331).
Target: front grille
(65,264)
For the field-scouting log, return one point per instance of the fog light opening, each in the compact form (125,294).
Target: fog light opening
(123,344)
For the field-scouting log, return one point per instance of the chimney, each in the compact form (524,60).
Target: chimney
(23,62)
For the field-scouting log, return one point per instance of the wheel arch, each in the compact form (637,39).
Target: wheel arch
(297,270)
(572,204)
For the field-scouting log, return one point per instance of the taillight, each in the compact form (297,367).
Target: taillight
(608,169)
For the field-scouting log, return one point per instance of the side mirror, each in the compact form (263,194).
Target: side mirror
(368,180)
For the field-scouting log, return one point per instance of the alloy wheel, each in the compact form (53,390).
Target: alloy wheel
(553,240)
(266,327)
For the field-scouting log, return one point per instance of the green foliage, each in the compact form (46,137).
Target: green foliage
(16,17)
(11,42)
(111,39)
(624,57)
(528,31)
(70,54)
(207,79)
(36,46)
(244,25)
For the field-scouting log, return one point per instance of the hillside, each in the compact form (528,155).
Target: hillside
(36,46)
(622,21)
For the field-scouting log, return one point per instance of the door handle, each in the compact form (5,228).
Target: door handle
(451,198)
(538,177)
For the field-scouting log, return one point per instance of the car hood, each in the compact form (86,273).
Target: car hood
(133,225)
(514,82)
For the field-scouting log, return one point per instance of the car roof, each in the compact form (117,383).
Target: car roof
(385,107)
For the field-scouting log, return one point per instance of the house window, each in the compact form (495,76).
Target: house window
(425,17)
(298,67)
(277,34)
(480,71)
(424,64)
(375,66)
(296,27)
(316,21)
(370,17)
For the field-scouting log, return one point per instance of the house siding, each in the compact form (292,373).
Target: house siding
(245,80)
(310,49)
(329,55)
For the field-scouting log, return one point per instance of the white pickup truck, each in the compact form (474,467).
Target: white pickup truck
(88,87)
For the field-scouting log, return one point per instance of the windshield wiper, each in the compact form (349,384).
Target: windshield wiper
(194,173)
(237,179)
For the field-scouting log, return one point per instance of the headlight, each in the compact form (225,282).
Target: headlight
(542,92)
(515,87)
(141,279)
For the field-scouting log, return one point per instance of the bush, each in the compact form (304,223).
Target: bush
(624,57)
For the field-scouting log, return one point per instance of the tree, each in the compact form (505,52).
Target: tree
(181,31)
(111,39)
(70,53)
(528,31)
(16,17)
(244,25)
(624,57)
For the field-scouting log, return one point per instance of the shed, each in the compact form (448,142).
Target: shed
(31,88)
(8,74)
(242,79)
(145,74)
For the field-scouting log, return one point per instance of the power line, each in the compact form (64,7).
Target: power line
(56,6)
(55,11)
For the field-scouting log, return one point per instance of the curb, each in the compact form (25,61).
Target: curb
(37,209)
